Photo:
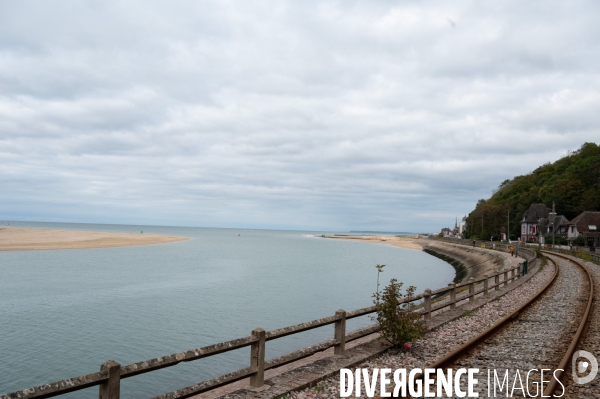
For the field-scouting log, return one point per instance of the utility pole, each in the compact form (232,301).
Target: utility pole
(508,229)
(553,222)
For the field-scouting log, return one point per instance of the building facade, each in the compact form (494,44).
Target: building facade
(531,222)
(586,224)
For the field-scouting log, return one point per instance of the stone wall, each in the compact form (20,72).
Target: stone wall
(477,261)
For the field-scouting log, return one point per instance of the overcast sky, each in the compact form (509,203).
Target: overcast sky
(320,115)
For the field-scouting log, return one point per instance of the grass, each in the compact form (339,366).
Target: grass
(543,262)
(321,386)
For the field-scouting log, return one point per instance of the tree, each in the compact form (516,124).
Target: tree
(572,182)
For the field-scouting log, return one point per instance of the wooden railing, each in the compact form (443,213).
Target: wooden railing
(111,373)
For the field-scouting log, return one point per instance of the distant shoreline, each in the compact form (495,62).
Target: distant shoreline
(31,239)
(397,241)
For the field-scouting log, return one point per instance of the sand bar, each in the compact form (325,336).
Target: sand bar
(23,239)
(410,242)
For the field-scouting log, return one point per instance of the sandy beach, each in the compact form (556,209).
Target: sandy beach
(410,242)
(23,239)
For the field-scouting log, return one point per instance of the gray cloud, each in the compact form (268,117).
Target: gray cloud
(318,115)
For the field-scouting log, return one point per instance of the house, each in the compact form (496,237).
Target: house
(555,224)
(462,226)
(530,224)
(586,224)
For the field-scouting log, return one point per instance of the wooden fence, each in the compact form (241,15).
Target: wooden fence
(111,373)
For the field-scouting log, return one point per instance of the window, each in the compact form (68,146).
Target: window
(592,227)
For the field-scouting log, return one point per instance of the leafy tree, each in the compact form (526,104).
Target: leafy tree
(572,183)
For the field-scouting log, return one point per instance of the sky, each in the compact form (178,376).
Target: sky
(312,115)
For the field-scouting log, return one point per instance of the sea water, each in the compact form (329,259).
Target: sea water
(65,312)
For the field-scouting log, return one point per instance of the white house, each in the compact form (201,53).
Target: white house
(530,224)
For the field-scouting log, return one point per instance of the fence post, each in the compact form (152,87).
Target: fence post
(452,295)
(427,303)
(111,389)
(257,358)
(512,275)
(471,289)
(505,278)
(485,284)
(340,333)
(496,282)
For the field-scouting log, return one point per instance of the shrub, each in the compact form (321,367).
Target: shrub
(558,240)
(398,321)
(579,241)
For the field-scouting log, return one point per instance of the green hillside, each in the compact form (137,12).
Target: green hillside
(572,182)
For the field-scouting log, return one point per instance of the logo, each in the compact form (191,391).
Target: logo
(589,365)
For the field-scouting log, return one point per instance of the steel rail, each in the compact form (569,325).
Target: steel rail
(450,358)
(471,344)
(566,360)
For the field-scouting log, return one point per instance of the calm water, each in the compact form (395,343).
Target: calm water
(63,313)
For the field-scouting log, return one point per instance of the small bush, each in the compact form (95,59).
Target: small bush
(579,241)
(558,240)
(398,321)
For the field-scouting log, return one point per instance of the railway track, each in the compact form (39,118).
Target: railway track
(542,334)
(590,342)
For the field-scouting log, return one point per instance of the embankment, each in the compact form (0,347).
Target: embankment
(459,267)
(467,261)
